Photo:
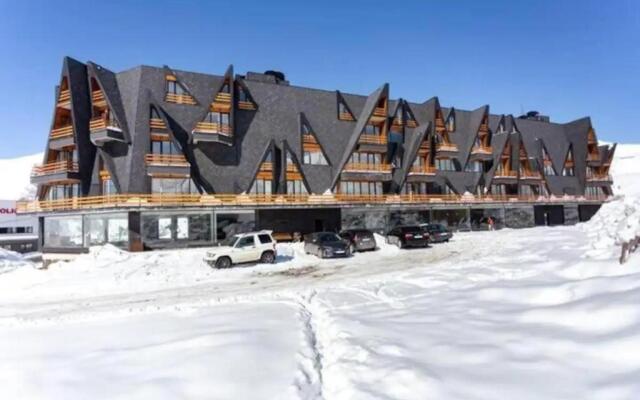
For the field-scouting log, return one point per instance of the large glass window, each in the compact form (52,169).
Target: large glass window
(229,224)
(568,171)
(474,166)
(173,185)
(361,187)
(445,164)
(365,158)
(106,228)
(216,117)
(58,192)
(174,87)
(160,228)
(261,186)
(314,157)
(63,231)
(165,147)
(296,187)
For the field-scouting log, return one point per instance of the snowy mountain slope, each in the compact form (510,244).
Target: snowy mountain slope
(528,314)
(626,169)
(15,177)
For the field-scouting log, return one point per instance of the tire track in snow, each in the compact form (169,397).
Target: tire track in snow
(310,383)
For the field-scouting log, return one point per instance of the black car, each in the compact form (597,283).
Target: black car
(359,239)
(326,245)
(437,232)
(408,236)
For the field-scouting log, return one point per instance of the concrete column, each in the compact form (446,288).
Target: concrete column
(135,231)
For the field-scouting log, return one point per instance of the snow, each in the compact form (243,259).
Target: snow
(15,175)
(527,314)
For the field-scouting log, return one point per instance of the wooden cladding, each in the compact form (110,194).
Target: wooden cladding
(266,166)
(223,98)
(505,174)
(62,132)
(446,147)
(98,99)
(481,150)
(212,127)
(422,170)
(180,99)
(64,98)
(55,168)
(246,105)
(166,160)
(528,174)
(157,124)
(366,167)
(344,116)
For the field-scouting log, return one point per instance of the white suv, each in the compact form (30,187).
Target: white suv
(243,248)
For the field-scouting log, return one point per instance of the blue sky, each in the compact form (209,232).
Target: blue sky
(567,59)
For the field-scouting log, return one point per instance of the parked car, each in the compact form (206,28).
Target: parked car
(243,248)
(326,245)
(408,236)
(438,233)
(359,239)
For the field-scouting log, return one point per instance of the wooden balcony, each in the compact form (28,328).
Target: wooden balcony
(211,127)
(593,156)
(64,98)
(153,201)
(62,132)
(157,124)
(103,131)
(180,99)
(482,150)
(379,114)
(171,160)
(446,147)
(599,178)
(422,170)
(98,99)
(411,123)
(223,98)
(530,175)
(503,174)
(266,166)
(309,139)
(440,127)
(246,105)
(365,167)
(345,117)
(58,171)
(373,139)
(292,167)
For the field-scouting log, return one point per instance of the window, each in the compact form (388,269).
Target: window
(415,188)
(225,88)
(314,157)
(568,171)
(474,166)
(246,241)
(154,114)
(365,158)
(261,186)
(56,192)
(264,239)
(173,185)
(501,128)
(548,169)
(108,188)
(173,87)
(164,147)
(215,117)
(296,187)
(445,164)
(361,188)
(242,95)
(372,130)
(451,123)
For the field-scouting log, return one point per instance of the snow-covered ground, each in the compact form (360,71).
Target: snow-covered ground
(541,313)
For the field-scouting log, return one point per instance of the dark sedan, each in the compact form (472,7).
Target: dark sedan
(408,236)
(437,232)
(359,239)
(326,245)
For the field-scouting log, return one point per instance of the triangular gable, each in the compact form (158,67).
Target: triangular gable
(450,120)
(108,84)
(260,167)
(186,97)
(109,165)
(363,119)
(290,155)
(343,110)
(409,117)
(546,158)
(244,97)
(180,142)
(475,120)
(307,129)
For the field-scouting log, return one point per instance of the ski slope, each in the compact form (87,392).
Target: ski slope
(527,314)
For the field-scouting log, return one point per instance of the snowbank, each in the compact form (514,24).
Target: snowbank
(15,175)
(10,261)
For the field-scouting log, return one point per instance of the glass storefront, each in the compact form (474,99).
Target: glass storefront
(177,229)
(454,219)
(106,228)
(63,231)
(230,223)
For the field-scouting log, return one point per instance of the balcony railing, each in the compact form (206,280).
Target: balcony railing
(171,160)
(157,124)
(246,105)
(61,132)
(266,166)
(64,97)
(506,174)
(292,168)
(223,98)
(55,168)
(100,123)
(530,175)
(97,98)
(593,157)
(446,147)
(379,112)
(482,150)
(422,170)
(411,123)
(372,139)
(600,178)
(345,116)
(309,139)
(212,127)
(180,98)
(122,201)
(365,167)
